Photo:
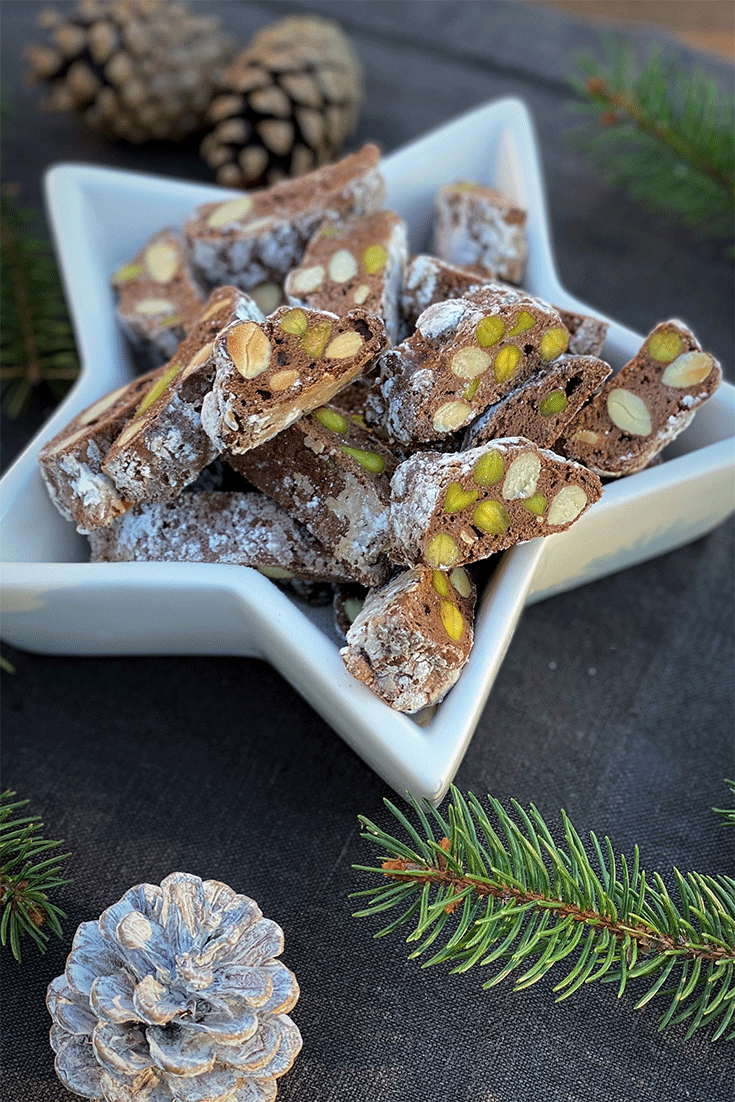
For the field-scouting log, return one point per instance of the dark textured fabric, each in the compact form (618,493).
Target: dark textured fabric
(615,701)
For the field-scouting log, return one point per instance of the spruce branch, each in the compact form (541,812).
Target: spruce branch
(479,891)
(28,871)
(664,135)
(727,814)
(37,341)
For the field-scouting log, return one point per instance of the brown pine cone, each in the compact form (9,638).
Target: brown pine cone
(286,104)
(134,69)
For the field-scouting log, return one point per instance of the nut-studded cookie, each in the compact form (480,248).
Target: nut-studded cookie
(429,280)
(71,462)
(259,236)
(243,529)
(411,638)
(646,405)
(465,355)
(452,509)
(475,225)
(357,263)
(268,375)
(156,297)
(333,476)
(164,447)
(540,408)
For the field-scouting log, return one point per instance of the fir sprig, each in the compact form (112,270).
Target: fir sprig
(727,814)
(28,871)
(506,891)
(666,136)
(37,341)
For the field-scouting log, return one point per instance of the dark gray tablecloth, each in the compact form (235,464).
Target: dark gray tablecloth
(614,702)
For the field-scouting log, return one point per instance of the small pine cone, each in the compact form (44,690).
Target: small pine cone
(286,104)
(139,70)
(175,995)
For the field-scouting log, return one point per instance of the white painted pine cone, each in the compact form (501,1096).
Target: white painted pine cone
(175,994)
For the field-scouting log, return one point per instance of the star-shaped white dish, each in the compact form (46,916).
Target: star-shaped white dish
(55,601)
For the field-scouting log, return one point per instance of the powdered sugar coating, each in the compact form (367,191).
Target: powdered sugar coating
(242,529)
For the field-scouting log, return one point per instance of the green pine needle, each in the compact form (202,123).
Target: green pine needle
(479,891)
(37,342)
(727,814)
(664,135)
(28,871)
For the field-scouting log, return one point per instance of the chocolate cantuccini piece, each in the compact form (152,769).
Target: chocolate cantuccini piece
(270,374)
(465,355)
(357,263)
(429,280)
(242,529)
(156,298)
(259,236)
(646,405)
(71,462)
(458,508)
(478,226)
(411,638)
(333,476)
(543,405)
(164,447)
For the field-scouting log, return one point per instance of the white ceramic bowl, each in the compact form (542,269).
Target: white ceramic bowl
(55,601)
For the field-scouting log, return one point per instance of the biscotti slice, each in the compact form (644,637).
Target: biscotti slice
(476,225)
(259,236)
(156,298)
(465,355)
(587,334)
(71,462)
(357,263)
(334,477)
(646,405)
(429,280)
(164,447)
(269,375)
(242,529)
(411,638)
(452,509)
(540,408)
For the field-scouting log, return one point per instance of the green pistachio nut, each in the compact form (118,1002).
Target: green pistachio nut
(331,419)
(665,345)
(524,322)
(442,551)
(554,402)
(456,498)
(489,331)
(374,259)
(489,469)
(506,362)
(452,620)
(371,461)
(491,517)
(554,342)
(295,322)
(536,503)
